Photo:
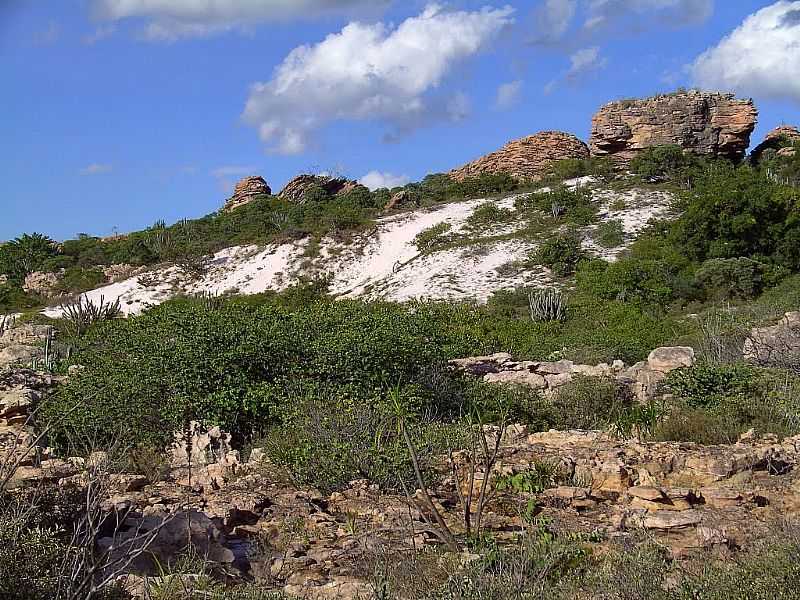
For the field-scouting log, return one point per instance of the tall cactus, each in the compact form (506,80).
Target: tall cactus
(547,305)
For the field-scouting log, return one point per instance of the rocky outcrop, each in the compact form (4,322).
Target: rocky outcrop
(247,190)
(780,141)
(776,345)
(704,123)
(642,378)
(528,158)
(21,343)
(42,284)
(296,189)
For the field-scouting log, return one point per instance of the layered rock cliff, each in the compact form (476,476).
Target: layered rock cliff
(528,158)
(704,123)
(780,140)
(246,191)
(296,189)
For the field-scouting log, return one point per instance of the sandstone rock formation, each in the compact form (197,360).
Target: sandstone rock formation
(246,191)
(528,158)
(642,378)
(775,141)
(704,123)
(295,190)
(42,284)
(776,345)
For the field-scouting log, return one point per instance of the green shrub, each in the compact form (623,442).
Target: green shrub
(561,253)
(25,254)
(590,402)
(489,214)
(610,234)
(704,386)
(669,161)
(430,238)
(572,205)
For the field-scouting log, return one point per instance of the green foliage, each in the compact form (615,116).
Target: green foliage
(572,168)
(664,162)
(724,278)
(432,237)
(590,402)
(13,298)
(547,305)
(561,253)
(610,234)
(740,212)
(542,476)
(489,214)
(574,206)
(25,254)
(441,187)
(703,386)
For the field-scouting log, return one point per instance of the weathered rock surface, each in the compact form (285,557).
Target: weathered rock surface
(296,189)
(42,284)
(775,141)
(528,158)
(643,378)
(777,345)
(704,123)
(247,190)
(19,343)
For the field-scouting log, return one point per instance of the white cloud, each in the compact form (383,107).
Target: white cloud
(172,19)
(376,180)
(761,57)
(233,171)
(585,61)
(554,18)
(371,72)
(96,169)
(508,95)
(582,63)
(640,14)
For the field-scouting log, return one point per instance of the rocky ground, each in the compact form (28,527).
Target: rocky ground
(250,522)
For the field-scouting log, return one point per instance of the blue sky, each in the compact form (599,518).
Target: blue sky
(117,113)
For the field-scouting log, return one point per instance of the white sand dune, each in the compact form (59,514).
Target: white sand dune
(384,263)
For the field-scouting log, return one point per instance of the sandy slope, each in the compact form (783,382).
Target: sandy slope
(384,263)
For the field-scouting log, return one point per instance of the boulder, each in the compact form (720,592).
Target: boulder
(776,345)
(247,190)
(779,141)
(296,189)
(711,124)
(671,358)
(41,283)
(528,158)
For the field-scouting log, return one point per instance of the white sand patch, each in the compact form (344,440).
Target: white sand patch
(384,262)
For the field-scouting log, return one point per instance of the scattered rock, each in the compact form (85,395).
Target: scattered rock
(669,359)
(528,158)
(776,142)
(42,284)
(247,190)
(704,123)
(775,345)
(296,189)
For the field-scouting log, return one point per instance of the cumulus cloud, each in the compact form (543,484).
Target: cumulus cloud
(582,63)
(172,19)
(96,169)
(372,72)
(554,18)
(508,95)
(376,180)
(761,57)
(640,14)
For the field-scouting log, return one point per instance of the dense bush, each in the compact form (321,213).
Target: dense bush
(574,206)
(561,253)
(731,277)
(25,254)
(572,168)
(610,234)
(740,212)
(664,162)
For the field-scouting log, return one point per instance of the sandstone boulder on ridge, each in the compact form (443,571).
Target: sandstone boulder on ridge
(528,158)
(247,190)
(701,122)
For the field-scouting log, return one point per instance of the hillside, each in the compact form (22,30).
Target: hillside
(577,380)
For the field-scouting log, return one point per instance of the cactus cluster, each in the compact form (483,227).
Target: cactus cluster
(547,305)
